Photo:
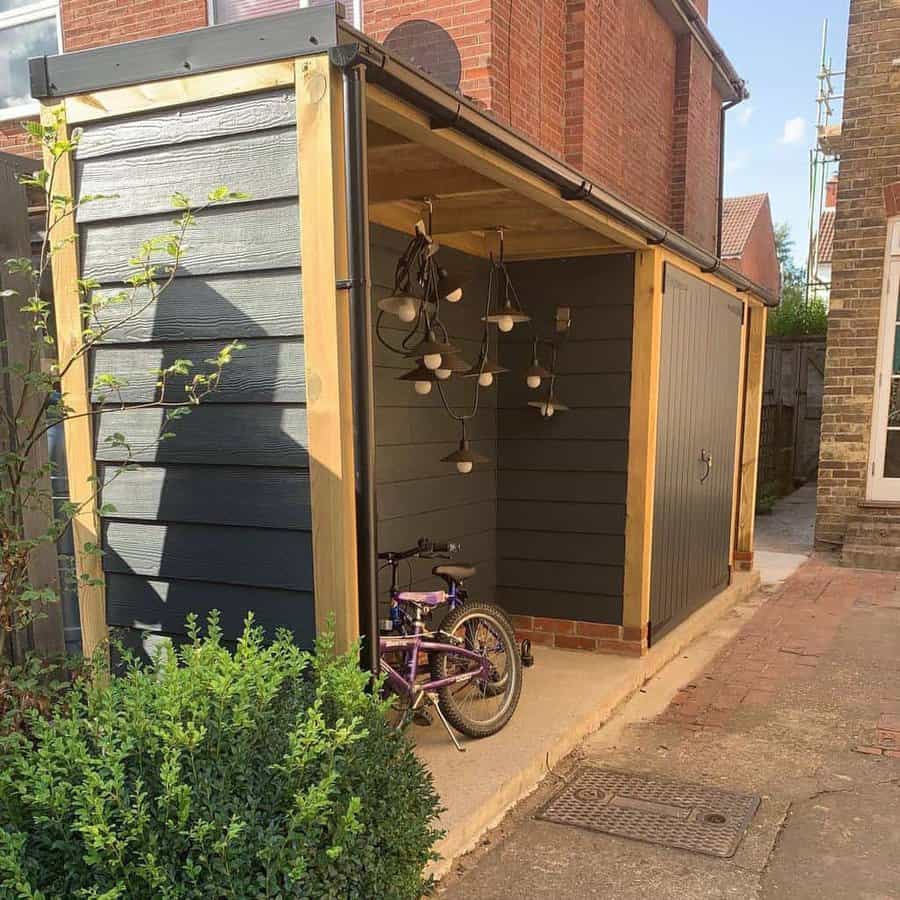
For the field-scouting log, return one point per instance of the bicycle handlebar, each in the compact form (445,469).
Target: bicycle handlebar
(424,547)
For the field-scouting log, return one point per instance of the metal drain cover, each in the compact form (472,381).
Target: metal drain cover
(657,810)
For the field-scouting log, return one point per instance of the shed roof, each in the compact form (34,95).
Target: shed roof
(739,215)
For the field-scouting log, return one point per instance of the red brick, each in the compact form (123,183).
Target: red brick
(526,622)
(536,637)
(598,630)
(573,642)
(555,626)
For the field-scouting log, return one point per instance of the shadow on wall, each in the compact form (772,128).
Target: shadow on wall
(218,516)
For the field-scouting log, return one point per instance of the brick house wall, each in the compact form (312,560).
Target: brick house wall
(759,258)
(607,85)
(870,165)
(591,82)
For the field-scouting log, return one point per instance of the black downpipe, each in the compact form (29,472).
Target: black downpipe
(361,351)
(724,109)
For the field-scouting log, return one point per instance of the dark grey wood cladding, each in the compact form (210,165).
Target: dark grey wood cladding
(236,238)
(418,495)
(217,306)
(562,483)
(263,371)
(143,181)
(219,515)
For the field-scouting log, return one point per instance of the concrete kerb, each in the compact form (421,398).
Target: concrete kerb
(464,835)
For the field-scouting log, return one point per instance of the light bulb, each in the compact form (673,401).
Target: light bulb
(464,466)
(454,296)
(547,410)
(533,381)
(432,360)
(423,387)
(443,374)
(505,323)
(486,379)
(407,312)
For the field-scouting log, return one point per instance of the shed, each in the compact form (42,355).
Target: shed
(600,527)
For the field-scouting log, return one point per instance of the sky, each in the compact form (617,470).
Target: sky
(776,47)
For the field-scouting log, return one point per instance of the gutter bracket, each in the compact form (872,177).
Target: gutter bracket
(710,270)
(582,192)
(448,120)
(655,242)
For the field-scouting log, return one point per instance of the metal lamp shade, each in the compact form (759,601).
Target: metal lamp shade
(449,287)
(454,362)
(504,304)
(419,373)
(465,454)
(489,366)
(536,370)
(431,345)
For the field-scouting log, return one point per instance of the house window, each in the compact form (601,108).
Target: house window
(233,10)
(884,462)
(27,28)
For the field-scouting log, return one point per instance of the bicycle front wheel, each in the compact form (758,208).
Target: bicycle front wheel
(479,707)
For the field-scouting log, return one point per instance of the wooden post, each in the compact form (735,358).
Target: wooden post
(645,353)
(76,395)
(323,260)
(756,354)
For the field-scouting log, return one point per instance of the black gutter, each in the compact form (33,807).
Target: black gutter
(448,110)
(358,285)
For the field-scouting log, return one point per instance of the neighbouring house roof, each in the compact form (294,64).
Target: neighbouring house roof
(826,236)
(739,214)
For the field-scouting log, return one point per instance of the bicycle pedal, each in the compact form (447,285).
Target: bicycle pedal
(422,717)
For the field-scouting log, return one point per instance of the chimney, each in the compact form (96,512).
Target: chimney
(831,189)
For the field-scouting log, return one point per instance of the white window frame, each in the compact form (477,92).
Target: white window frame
(23,15)
(878,487)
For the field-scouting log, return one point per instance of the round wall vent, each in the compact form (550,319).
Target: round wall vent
(428,47)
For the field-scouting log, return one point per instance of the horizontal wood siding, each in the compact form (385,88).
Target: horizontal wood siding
(418,495)
(562,481)
(218,516)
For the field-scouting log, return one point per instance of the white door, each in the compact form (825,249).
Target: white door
(884,447)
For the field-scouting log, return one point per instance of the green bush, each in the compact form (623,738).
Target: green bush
(268,772)
(797,317)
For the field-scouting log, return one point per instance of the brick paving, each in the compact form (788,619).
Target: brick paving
(782,645)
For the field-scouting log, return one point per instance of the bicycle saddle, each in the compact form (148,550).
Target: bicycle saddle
(423,598)
(456,571)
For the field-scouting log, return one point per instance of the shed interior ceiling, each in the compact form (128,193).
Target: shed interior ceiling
(468,207)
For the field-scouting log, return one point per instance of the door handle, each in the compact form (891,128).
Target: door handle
(705,457)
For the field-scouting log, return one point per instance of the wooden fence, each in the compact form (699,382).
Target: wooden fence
(791,412)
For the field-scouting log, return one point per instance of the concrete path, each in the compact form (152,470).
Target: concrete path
(784,538)
(795,696)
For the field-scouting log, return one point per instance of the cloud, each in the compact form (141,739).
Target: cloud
(794,131)
(737,161)
(744,114)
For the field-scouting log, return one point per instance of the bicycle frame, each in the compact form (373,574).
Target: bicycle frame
(417,642)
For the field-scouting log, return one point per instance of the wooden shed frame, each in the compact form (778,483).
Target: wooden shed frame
(490,175)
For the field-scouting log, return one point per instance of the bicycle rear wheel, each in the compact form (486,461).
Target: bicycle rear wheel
(479,707)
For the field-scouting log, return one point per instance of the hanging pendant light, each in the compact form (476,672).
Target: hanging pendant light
(549,407)
(449,287)
(485,371)
(504,309)
(535,373)
(431,350)
(464,457)
(450,363)
(423,379)
(403,305)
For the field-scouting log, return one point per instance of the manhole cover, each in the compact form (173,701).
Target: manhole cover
(656,810)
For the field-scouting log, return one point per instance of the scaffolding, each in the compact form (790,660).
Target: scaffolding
(823,164)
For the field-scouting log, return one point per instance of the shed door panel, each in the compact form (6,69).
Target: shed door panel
(698,406)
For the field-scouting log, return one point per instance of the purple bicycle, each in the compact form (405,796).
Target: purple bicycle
(473,673)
